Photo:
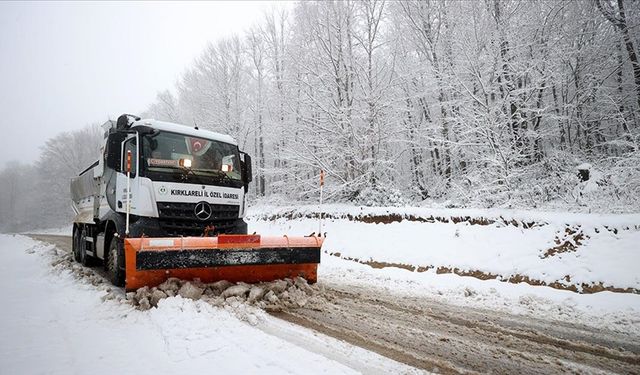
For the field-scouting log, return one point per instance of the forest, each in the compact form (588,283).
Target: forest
(492,103)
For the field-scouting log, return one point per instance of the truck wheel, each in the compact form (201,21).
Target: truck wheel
(115,273)
(82,249)
(75,245)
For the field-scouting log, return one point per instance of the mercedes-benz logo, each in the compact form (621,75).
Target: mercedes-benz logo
(203,210)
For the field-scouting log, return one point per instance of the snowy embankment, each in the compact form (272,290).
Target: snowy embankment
(460,256)
(56,322)
(581,252)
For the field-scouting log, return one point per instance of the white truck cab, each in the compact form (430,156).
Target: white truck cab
(159,179)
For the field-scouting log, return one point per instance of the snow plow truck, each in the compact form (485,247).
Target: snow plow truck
(167,200)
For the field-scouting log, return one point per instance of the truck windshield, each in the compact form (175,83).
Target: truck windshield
(172,156)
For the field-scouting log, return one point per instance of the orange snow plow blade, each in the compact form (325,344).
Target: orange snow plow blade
(248,258)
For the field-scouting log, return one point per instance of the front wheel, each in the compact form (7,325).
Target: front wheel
(114,271)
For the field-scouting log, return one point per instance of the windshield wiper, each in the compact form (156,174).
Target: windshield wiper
(201,175)
(222,175)
(187,171)
(182,174)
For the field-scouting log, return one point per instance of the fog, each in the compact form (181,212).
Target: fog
(67,64)
(505,105)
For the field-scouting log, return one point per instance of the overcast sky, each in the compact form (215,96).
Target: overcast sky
(65,65)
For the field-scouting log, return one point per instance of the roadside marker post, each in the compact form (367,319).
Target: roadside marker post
(321,211)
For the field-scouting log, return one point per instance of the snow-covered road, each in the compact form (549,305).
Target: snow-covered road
(54,323)
(387,312)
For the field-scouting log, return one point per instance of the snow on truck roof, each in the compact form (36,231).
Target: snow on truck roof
(186,130)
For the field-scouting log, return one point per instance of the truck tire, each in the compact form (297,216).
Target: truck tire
(75,245)
(84,259)
(112,261)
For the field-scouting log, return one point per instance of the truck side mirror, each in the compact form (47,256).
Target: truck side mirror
(248,167)
(247,172)
(113,150)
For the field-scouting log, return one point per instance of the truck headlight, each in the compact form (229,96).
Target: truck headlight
(186,163)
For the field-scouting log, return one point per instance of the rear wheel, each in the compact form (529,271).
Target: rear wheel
(115,252)
(82,248)
(80,253)
(75,245)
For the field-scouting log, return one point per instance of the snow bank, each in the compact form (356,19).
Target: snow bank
(572,250)
(271,296)
(263,212)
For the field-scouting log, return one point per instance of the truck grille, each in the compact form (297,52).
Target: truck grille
(178,219)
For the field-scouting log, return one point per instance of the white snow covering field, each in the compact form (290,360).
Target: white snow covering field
(53,323)
(608,256)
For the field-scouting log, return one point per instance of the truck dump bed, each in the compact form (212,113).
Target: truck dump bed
(83,189)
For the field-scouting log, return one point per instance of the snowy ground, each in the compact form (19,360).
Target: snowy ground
(188,335)
(54,323)
(618,312)
(568,249)
(503,249)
